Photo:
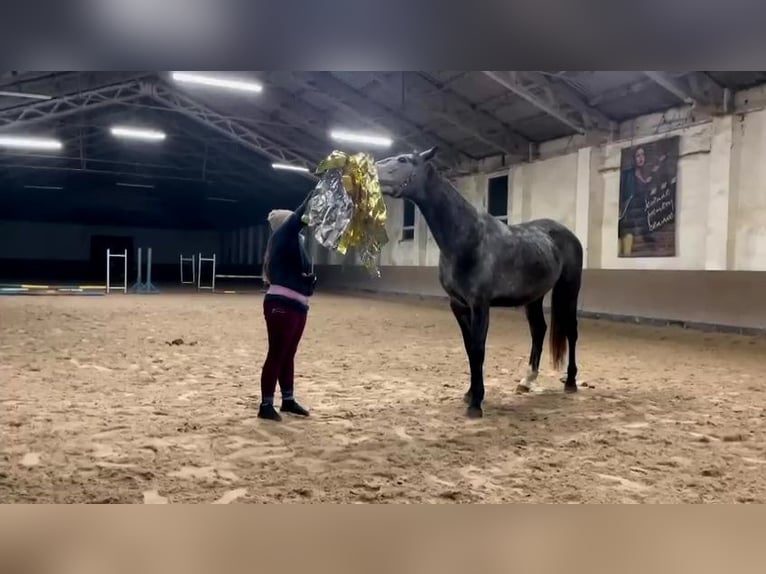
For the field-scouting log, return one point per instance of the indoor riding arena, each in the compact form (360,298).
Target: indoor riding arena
(133,231)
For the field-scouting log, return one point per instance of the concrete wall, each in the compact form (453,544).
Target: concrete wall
(731,299)
(244,246)
(68,242)
(720,226)
(692,193)
(61,253)
(748,202)
(721,197)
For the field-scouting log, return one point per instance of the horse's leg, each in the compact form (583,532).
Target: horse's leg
(568,299)
(537,329)
(463,315)
(570,385)
(478,332)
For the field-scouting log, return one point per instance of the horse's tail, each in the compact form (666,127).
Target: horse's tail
(564,296)
(559,318)
(564,313)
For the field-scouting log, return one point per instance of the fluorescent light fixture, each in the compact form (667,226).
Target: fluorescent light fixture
(224,199)
(25,142)
(137,133)
(43,187)
(381,141)
(25,95)
(142,185)
(289,167)
(217,82)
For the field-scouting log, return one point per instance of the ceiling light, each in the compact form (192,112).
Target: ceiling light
(143,185)
(289,167)
(43,187)
(217,82)
(361,138)
(138,133)
(25,95)
(24,142)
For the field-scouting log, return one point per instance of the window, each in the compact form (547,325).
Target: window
(408,223)
(497,197)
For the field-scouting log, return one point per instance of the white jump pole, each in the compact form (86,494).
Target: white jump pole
(259,276)
(199,272)
(109,257)
(191,259)
(201,259)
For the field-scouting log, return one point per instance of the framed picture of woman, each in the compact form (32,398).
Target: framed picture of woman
(647,207)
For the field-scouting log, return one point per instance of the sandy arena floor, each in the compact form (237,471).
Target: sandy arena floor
(98,407)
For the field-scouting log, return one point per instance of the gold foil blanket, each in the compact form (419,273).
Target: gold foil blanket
(347,208)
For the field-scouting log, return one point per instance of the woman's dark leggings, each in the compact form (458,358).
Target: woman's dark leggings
(285,326)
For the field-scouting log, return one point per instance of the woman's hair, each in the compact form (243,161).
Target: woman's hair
(275,218)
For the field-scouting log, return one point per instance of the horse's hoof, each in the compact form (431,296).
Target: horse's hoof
(474,412)
(467,398)
(522,388)
(570,388)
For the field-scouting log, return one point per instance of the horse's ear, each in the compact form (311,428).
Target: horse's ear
(429,153)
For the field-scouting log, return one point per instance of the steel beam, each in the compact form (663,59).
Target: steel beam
(289,143)
(303,120)
(513,81)
(465,115)
(592,118)
(36,167)
(180,155)
(253,121)
(621,92)
(671,85)
(300,113)
(266,146)
(25,115)
(226,159)
(177,129)
(230,177)
(229,156)
(694,89)
(221,170)
(355,103)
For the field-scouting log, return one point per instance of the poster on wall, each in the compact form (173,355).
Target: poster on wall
(647,217)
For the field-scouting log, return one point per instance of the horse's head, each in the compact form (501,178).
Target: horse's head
(405,175)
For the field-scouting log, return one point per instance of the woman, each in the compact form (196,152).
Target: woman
(287,271)
(637,186)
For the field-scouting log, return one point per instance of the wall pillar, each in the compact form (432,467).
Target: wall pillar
(517,195)
(582,199)
(719,195)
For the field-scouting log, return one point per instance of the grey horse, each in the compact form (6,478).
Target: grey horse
(485,263)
